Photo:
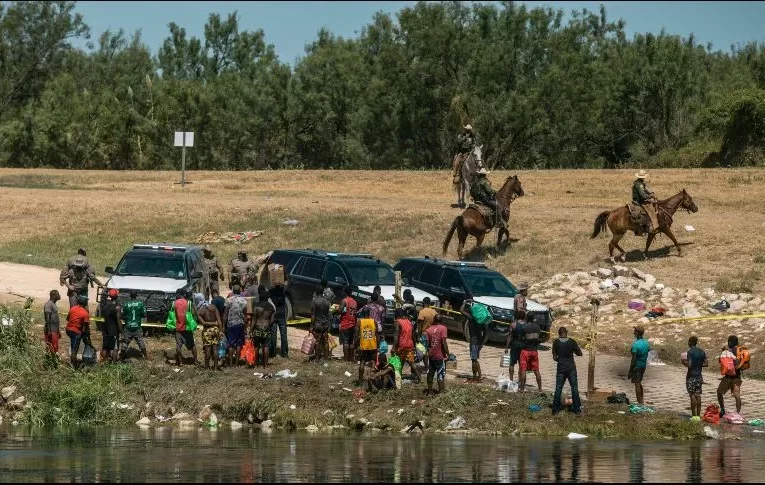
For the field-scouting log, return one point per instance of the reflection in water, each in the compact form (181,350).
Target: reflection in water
(204,456)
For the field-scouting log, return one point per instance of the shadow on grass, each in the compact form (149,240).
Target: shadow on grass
(637,254)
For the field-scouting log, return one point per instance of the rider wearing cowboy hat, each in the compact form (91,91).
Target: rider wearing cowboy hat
(644,198)
(482,192)
(465,145)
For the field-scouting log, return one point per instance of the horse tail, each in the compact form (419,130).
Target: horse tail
(601,222)
(457,221)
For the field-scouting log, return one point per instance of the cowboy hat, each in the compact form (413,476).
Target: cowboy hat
(482,171)
(468,127)
(642,174)
(523,287)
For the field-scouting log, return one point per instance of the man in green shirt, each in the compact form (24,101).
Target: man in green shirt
(133,314)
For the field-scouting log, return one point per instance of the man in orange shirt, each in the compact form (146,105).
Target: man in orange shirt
(403,342)
(77,325)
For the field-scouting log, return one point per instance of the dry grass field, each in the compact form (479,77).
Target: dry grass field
(47,214)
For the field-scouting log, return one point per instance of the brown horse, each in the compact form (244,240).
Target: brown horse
(619,222)
(472,223)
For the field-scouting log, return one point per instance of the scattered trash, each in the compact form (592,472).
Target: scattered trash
(291,222)
(721,305)
(235,237)
(347,374)
(456,423)
(620,398)
(417,425)
(711,433)
(576,436)
(348,390)
(292,406)
(638,305)
(656,311)
(176,370)
(622,412)
(606,284)
(733,418)
(7,321)
(711,414)
(695,419)
(535,408)
(312,428)
(689,228)
(638,409)
(755,422)
(757,431)
(400,411)
(285,374)
(653,358)
(258,374)
(359,393)
(505,384)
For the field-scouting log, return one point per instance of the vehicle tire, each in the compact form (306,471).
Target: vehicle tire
(290,314)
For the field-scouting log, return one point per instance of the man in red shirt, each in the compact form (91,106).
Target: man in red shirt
(183,336)
(403,342)
(438,353)
(348,325)
(77,326)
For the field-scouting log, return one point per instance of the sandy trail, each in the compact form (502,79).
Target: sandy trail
(19,281)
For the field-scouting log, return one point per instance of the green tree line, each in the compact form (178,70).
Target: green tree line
(539,91)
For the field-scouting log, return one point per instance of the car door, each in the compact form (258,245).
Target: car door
(336,279)
(194,263)
(452,290)
(303,282)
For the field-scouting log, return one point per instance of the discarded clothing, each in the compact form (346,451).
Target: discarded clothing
(620,398)
(638,409)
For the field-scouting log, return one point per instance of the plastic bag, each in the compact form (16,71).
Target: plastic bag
(309,344)
(653,358)
(505,384)
(733,418)
(222,347)
(332,342)
(711,414)
(504,360)
(638,409)
(285,374)
(248,352)
(89,353)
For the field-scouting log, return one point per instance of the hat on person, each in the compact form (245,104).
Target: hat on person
(79,262)
(482,171)
(242,251)
(208,249)
(82,251)
(639,329)
(113,293)
(82,300)
(642,174)
(523,286)
(383,347)
(468,127)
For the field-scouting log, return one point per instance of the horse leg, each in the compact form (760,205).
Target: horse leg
(668,232)
(461,238)
(479,241)
(648,242)
(615,244)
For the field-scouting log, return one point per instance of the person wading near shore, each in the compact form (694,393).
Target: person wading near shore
(263,318)
(213,272)
(403,342)
(184,329)
(348,325)
(208,317)
(320,321)
(112,327)
(52,322)
(639,351)
(731,379)
(133,315)
(233,319)
(563,351)
(438,353)
(695,359)
(77,326)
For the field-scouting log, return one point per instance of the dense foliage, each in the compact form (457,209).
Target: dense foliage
(540,92)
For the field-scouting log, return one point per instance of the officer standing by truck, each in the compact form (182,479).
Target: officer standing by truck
(77,278)
(239,268)
(213,272)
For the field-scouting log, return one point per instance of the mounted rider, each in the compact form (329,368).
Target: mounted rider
(465,145)
(642,197)
(482,192)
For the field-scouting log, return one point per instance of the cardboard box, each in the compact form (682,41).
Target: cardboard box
(275,274)
(600,394)
(250,304)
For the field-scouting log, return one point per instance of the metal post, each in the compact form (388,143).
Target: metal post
(183,162)
(593,335)
(398,297)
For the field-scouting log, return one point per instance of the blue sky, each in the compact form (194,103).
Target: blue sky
(290,25)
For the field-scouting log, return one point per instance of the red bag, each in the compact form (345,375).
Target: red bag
(248,352)
(727,364)
(711,414)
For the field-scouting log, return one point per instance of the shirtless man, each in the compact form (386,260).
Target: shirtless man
(264,315)
(209,318)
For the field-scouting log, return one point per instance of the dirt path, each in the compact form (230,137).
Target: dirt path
(664,385)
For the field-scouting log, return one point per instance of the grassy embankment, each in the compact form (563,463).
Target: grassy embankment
(57,395)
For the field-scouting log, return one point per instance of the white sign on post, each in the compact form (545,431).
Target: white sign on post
(183,139)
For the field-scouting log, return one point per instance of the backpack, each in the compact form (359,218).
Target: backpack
(727,365)
(743,357)
(480,313)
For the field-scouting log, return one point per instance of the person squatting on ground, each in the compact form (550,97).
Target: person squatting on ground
(348,309)
(438,353)
(112,327)
(563,351)
(732,383)
(184,335)
(477,337)
(264,316)
(52,327)
(77,326)
(639,351)
(320,321)
(366,342)
(403,341)
(382,375)
(694,359)
(209,318)
(133,315)
(234,319)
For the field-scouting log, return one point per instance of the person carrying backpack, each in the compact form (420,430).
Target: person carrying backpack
(733,360)
(478,318)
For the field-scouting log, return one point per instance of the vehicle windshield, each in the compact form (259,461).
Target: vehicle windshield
(371,274)
(157,265)
(488,284)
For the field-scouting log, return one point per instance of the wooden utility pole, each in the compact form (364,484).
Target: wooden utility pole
(593,336)
(398,297)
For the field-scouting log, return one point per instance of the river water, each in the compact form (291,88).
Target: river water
(204,456)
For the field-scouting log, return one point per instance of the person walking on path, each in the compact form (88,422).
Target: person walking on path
(133,315)
(694,359)
(348,309)
(52,322)
(112,327)
(563,351)
(438,353)
(639,351)
(732,383)
(213,272)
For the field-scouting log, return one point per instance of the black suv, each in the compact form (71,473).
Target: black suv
(156,271)
(451,281)
(305,268)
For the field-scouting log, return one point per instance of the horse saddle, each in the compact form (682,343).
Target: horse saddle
(638,215)
(488,214)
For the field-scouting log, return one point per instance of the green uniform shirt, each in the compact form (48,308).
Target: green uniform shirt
(465,143)
(133,311)
(640,193)
(481,190)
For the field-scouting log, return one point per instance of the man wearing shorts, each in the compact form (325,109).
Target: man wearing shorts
(52,322)
(730,384)
(695,360)
(438,352)
(262,319)
(639,351)
(208,317)
(112,327)
(233,318)
(133,314)
(477,337)
(348,325)
(183,336)
(529,357)
(366,341)
(403,342)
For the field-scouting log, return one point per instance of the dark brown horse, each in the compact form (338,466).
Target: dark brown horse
(619,222)
(472,223)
